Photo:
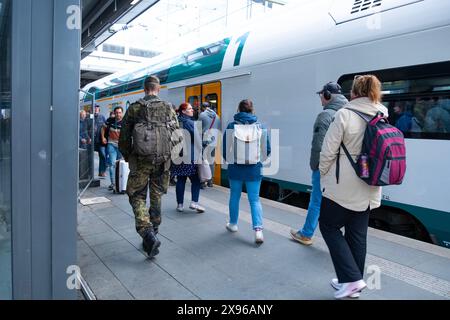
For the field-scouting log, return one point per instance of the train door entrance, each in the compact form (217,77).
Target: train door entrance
(209,92)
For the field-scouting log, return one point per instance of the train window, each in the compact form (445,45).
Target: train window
(212,99)
(216,48)
(417,97)
(117,90)
(88,97)
(102,94)
(191,57)
(162,75)
(194,101)
(135,85)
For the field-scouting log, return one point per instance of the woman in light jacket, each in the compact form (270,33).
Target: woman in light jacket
(348,200)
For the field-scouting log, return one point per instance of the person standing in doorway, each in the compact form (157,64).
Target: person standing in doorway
(210,128)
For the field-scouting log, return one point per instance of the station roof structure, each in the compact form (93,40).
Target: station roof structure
(98,16)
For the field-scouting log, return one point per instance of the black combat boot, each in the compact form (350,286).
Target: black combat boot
(151,243)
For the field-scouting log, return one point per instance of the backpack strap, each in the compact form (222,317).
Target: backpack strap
(368,118)
(148,102)
(349,157)
(212,123)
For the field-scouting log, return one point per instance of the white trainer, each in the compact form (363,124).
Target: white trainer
(232,227)
(180,208)
(259,238)
(337,286)
(195,206)
(349,288)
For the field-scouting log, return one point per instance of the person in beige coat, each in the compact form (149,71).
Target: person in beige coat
(348,200)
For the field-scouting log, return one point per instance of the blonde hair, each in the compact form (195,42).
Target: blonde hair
(367,86)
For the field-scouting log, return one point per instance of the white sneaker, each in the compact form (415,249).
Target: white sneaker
(232,227)
(195,206)
(180,208)
(349,288)
(259,238)
(337,286)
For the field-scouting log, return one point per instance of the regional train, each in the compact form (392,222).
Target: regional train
(281,63)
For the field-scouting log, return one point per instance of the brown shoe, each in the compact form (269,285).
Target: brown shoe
(297,236)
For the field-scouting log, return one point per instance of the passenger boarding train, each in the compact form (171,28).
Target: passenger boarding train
(280,64)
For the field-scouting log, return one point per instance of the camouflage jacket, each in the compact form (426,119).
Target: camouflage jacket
(132,116)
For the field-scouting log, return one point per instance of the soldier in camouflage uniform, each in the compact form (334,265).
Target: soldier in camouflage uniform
(147,172)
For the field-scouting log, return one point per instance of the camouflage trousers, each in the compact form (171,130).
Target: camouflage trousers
(146,176)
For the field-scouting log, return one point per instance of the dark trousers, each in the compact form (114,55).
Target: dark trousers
(195,188)
(348,252)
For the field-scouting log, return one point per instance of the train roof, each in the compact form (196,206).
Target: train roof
(301,29)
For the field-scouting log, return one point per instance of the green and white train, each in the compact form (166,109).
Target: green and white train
(281,63)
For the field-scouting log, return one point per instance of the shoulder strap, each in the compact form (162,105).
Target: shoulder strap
(149,102)
(349,157)
(212,123)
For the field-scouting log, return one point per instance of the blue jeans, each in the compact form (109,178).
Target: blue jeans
(253,197)
(113,155)
(102,159)
(195,188)
(312,218)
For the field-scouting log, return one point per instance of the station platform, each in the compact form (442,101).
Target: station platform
(200,259)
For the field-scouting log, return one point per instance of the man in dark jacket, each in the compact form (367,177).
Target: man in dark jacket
(332,100)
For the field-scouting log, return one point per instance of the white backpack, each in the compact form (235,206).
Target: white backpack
(247,143)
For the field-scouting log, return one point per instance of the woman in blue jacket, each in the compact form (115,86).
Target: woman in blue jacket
(188,169)
(241,169)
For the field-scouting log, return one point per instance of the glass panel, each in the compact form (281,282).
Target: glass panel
(5,149)
(194,101)
(212,99)
(86,148)
(417,97)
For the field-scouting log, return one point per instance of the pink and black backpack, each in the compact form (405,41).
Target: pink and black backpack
(384,149)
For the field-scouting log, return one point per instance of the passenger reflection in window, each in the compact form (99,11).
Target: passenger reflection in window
(404,118)
(437,119)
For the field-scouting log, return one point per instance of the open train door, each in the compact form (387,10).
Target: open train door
(210,92)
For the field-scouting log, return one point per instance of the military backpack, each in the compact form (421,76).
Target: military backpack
(152,134)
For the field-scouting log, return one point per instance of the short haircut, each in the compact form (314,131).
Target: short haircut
(246,106)
(151,83)
(118,108)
